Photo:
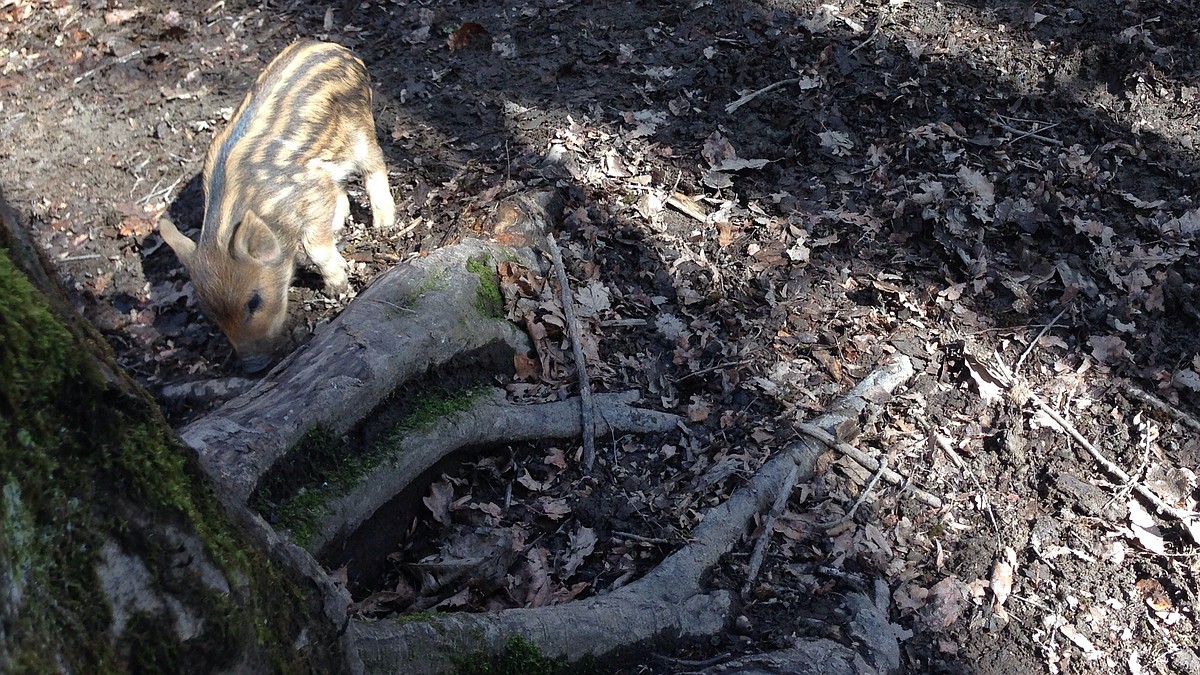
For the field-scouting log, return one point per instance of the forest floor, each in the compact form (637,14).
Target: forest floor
(981,186)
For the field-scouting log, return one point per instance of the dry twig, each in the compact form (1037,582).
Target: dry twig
(755,94)
(1022,395)
(868,462)
(1162,406)
(760,546)
(687,206)
(1045,328)
(862,497)
(585,387)
(1028,134)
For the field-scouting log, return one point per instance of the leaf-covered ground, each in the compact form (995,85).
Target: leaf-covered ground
(765,200)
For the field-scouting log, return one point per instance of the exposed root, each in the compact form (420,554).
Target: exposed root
(670,600)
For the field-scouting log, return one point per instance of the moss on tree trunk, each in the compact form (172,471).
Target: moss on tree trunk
(115,554)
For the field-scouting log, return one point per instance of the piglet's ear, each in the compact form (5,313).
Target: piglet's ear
(253,240)
(185,249)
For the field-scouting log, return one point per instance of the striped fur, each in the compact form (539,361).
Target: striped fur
(274,185)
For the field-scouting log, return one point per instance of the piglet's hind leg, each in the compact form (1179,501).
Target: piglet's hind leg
(373,167)
(318,243)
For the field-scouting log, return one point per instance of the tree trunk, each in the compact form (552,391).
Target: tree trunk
(115,552)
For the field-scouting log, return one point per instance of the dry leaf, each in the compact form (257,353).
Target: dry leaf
(440,495)
(556,458)
(1001,581)
(1144,528)
(464,36)
(1089,650)
(836,143)
(1154,594)
(1106,348)
(717,149)
(583,543)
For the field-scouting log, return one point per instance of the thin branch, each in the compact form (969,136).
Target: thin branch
(862,497)
(1188,519)
(585,387)
(755,94)
(109,63)
(760,546)
(639,538)
(1028,134)
(864,43)
(1045,328)
(1162,406)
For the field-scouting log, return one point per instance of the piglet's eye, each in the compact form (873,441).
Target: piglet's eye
(253,303)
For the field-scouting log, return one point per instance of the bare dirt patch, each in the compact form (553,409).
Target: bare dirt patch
(969,184)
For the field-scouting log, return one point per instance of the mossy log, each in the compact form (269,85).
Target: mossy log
(115,552)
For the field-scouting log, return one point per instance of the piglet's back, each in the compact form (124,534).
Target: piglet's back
(296,114)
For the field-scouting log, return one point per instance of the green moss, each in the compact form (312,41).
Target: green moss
(433,409)
(434,280)
(323,468)
(520,657)
(293,495)
(488,300)
(85,458)
(48,541)
(418,617)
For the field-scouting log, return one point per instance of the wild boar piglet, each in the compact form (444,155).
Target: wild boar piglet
(275,186)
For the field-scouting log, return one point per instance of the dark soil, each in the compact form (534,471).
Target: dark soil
(966,183)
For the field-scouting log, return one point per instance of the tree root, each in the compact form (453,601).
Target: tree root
(413,318)
(490,420)
(669,601)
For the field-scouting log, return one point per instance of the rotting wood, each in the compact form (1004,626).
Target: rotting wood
(669,600)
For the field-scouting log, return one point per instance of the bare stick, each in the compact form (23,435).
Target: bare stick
(1045,328)
(862,497)
(160,193)
(864,43)
(639,538)
(755,94)
(867,461)
(1029,134)
(585,387)
(1162,406)
(1189,519)
(760,546)
(687,206)
(107,64)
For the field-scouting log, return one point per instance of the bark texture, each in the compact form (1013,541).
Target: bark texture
(115,553)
